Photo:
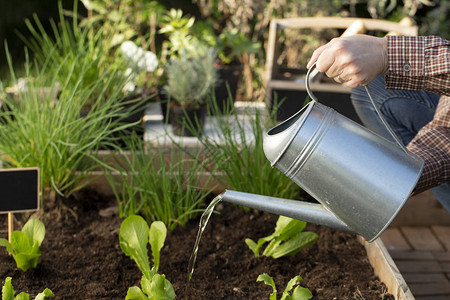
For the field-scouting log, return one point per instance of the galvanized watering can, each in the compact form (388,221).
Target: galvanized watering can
(360,179)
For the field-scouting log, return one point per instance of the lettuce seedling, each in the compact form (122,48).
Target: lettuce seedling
(8,292)
(133,237)
(24,245)
(287,239)
(299,293)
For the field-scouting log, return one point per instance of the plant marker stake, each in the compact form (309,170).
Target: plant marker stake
(10,226)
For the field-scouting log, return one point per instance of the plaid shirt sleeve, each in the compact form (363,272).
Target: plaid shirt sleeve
(432,144)
(419,63)
(423,63)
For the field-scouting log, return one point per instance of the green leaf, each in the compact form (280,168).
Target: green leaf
(8,290)
(287,226)
(157,237)
(115,15)
(301,293)
(133,238)
(35,231)
(169,289)
(20,242)
(287,239)
(161,289)
(5,243)
(24,245)
(146,284)
(268,280)
(135,293)
(292,246)
(252,245)
(26,261)
(46,293)
(24,253)
(96,6)
(22,296)
(292,282)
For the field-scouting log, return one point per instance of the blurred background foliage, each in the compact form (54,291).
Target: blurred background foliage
(142,20)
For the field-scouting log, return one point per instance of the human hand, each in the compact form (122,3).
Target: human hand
(352,60)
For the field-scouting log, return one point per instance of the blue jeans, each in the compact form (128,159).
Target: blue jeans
(405,111)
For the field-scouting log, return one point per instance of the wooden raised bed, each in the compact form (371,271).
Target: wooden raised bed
(379,257)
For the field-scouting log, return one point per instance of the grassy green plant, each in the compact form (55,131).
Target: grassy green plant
(8,292)
(134,236)
(24,245)
(287,239)
(299,293)
(80,55)
(239,157)
(38,130)
(159,184)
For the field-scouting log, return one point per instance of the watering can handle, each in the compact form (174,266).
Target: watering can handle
(377,110)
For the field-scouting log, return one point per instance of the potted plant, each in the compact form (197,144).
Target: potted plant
(231,44)
(190,78)
(186,32)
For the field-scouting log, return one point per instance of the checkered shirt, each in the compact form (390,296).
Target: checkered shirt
(423,63)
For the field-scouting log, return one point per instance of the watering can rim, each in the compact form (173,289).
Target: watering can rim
(299,121)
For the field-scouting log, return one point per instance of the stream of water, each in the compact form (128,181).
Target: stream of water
(201,228)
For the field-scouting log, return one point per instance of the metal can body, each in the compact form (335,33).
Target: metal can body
(360,177)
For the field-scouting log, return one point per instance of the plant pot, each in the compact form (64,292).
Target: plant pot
(164,101)
(225,91)
(132,112)
(187,121)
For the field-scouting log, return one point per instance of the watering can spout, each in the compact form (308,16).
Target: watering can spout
(309,212)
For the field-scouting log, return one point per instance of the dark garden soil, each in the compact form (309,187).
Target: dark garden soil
(82,259)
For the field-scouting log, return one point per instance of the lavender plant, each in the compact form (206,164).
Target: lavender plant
(191,76)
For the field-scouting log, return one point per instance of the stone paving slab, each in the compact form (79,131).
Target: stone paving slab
(422,256)
(422,238)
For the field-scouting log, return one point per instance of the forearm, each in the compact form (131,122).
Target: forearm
(432,144)
(419,63)
(437,161)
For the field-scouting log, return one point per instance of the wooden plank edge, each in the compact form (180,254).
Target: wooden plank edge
(385,268)
(97,181)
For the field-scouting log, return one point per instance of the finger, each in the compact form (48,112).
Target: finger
(315,56)
(339,79)
(325,61)
(352,83)
(337,68)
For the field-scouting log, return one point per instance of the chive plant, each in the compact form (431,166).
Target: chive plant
(37,130)
(160,184)
(40,130)
(239,156)
(68,42)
